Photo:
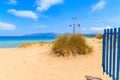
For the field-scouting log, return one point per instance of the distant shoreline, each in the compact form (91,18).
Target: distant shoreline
(15,41)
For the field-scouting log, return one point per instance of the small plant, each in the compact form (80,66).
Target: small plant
(32,43)
(99,36)
(67,45)
(26,45)
(43,43)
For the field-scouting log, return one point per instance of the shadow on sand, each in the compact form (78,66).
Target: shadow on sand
(92,78)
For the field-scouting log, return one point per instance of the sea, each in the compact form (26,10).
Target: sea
(15,41)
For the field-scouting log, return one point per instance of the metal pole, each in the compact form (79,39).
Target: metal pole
(73,29)
(74,18)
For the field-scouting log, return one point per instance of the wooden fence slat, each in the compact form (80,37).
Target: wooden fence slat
(107,46)
(103,55)
(110,62)
(114,53)
(118,55)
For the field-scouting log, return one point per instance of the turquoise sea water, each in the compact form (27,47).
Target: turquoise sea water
(15,41)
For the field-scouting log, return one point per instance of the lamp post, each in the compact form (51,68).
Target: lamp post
(74,25)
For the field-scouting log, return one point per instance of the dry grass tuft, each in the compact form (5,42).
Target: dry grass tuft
(99,36)
(26,45)
(31,44)
(43,43)
(67,45)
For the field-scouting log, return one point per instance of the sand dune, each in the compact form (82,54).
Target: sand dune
(36,63)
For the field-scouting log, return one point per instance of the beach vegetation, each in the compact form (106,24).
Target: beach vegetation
(26,45)
(31,44)
(99,36)
(66,45)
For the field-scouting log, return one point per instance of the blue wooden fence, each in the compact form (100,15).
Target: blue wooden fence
(111,53)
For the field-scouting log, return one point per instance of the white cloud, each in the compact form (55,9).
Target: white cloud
(108,27)
(99,5)
(84,29)
(43,5)
(7,26)
(100,29)
(97,29)
(23,13)
(12,2)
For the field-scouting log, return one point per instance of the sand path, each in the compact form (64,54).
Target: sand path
(35,63)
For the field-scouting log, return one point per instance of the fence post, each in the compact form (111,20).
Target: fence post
(107,46)
(110,63)
(103,55)
(114,52)
(118,54)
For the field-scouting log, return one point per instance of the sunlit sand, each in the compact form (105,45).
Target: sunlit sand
(36,63)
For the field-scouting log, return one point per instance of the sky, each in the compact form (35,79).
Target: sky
(20,17)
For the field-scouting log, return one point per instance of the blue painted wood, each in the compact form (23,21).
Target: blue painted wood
(103,51)
(111,57)
(107,46)
(118,55)
(114,53)
(110,62)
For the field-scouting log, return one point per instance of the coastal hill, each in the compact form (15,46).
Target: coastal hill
(51,34)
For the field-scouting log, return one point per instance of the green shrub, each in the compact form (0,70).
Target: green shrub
(67,45)
(99,36)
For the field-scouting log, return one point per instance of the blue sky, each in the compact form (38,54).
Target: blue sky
(19,17)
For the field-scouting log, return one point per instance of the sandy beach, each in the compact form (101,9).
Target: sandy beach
(36,63)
